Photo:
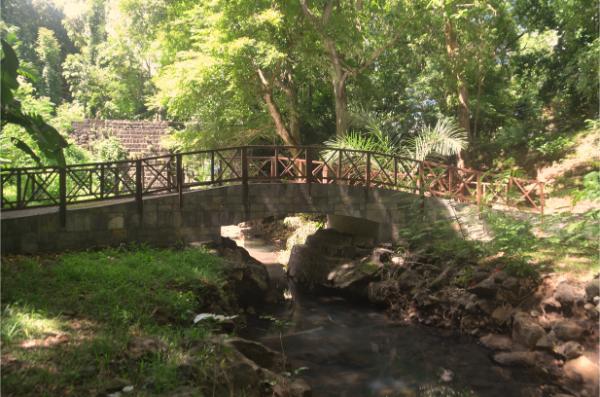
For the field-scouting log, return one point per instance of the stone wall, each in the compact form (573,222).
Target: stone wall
(139,138)
(163,223)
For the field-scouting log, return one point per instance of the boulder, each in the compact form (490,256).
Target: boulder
(569,295)
(592,289)
(567,330)
(584,371)
(502,314)
(329,242)
(248,277)
(525,330)
(569,350)
(516,359)
(306,267)
(486,288)
(351,274)
(546,342)
(496,342)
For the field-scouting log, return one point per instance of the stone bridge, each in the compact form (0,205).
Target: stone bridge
(163,222)
(188,196)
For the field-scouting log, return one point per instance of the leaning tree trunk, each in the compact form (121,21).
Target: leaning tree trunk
(464,113)
(338,78)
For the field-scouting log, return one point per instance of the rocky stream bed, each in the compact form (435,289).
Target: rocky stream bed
(373,320)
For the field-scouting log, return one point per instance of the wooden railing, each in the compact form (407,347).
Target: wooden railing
(176,173)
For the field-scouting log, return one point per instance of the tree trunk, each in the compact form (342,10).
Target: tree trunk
(338,78)
(280,127)
(341,107)
(463,94)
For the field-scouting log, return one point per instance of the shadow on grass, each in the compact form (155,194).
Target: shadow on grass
(70,323)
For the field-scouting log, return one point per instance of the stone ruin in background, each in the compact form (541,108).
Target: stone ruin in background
(139,138)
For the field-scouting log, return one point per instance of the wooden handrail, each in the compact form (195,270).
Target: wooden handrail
(30,187)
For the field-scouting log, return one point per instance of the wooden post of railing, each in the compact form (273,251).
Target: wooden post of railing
(179,177)
(450,181)
(309,168)
(101,180)
(19,195)
(212,167)
(275,165)
(422,187)
(508,186)
(542,200)
(62,193)
(245,179)
(139,187)
(395,172)
(339,170)
(368,176)
(478,192)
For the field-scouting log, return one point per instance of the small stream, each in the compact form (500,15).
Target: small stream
(352,350)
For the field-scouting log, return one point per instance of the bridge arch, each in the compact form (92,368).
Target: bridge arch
(164,222)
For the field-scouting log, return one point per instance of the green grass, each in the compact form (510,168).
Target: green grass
(101,301)
(564,243)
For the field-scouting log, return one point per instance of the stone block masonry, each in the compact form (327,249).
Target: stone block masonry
(162,222)
(139,138)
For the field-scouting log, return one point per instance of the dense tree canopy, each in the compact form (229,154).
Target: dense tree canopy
(517,76)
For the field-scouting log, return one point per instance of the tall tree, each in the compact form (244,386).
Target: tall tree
(255,50)
(353,34)
(48,52)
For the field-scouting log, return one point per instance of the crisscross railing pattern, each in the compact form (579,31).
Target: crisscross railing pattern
(176,173)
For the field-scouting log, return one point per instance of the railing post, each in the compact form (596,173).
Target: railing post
(212,167)
(508,186)
(101,180)
(245,179)
(450,181)
(339,173)
(395,172)
(422,187)
(368,176)
(19,194)
(542,200)
(139,187)
(478,192)
(275,164)
(179,178)
(62,193)
(309,168)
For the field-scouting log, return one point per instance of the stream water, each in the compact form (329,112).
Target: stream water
(351,350)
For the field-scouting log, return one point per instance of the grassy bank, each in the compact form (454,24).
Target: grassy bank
(86,323)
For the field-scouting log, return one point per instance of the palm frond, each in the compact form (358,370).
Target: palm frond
(445,139)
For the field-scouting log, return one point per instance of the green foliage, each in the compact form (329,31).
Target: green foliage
(109,149)
(101,301)
(591,188)
(48,51)
(511,236)
(47,139)
(445,139)
(551,148)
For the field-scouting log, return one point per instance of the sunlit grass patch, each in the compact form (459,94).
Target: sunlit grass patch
(21,322)
(100,303)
